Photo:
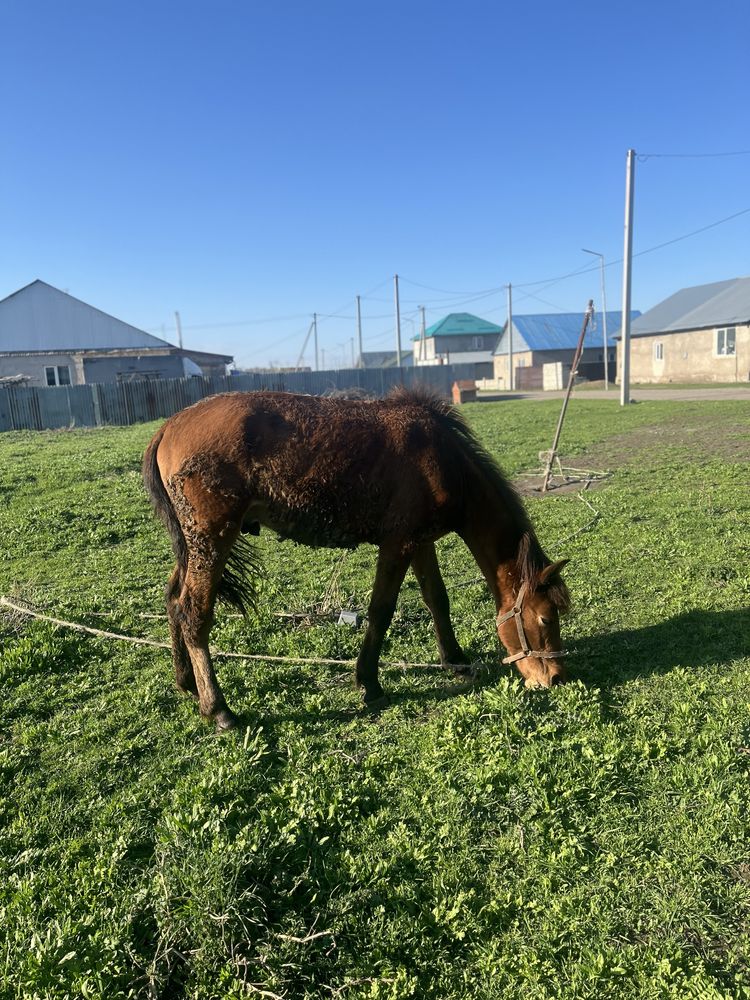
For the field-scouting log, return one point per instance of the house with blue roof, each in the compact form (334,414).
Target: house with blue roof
(458,339)
(543,338)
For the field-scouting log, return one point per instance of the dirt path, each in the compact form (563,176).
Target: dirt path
(740,391)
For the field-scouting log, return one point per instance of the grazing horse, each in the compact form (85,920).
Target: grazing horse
(398,473)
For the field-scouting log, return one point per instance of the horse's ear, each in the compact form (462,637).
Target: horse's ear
(554,569)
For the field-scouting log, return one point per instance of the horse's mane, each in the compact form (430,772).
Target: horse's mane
(530,559)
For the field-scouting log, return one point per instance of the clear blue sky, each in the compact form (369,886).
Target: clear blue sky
(246,162)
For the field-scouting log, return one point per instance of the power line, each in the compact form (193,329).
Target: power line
(691,156)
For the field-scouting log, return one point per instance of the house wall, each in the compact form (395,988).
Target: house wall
(33,365)
(535,359)
(688,356)
(456,347)
(84,368)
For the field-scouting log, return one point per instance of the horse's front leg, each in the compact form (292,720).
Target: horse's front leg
(426,569)
(389,576)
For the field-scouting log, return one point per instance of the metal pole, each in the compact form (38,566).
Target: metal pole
(359,332)
(627,266)
(179,329)
(351,341)
(604,317)
(315,340)
(423,336)
(398,322)
(511,373)
(571,380)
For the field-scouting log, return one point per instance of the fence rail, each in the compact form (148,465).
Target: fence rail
(54,407)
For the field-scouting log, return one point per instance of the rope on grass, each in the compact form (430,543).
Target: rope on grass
(136,640)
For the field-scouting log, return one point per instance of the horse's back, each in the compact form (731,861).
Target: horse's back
(324,471)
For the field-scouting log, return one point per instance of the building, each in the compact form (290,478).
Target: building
(699,334)
(542,338)
(51,338)
(383,359)
(458,339)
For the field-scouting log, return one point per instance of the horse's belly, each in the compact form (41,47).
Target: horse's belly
(318,528)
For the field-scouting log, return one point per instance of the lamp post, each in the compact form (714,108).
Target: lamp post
(604,316)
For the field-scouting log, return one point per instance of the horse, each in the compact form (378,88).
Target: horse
(398,473)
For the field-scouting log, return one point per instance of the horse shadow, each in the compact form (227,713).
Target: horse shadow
(690,640)
(606,660)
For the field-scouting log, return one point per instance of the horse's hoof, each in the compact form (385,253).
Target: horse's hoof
(226,720)
(378,703)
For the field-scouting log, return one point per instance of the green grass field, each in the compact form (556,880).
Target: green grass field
(474,840)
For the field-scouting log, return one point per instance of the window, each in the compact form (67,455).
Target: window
(57,374)
(658,351)
(725,341)
(477,343)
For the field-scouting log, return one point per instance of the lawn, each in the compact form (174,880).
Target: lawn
(474,840)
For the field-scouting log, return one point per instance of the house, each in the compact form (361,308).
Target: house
(542,338)
(383,359)
(458,339)
(699,334)
(52,338)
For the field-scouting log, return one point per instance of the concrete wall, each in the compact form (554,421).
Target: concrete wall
(689,356)
(87,368)
(33,365)
(535,359)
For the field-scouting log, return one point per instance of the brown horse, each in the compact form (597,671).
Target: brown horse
(398,473)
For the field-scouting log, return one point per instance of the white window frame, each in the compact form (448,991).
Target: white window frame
(721,343)
(658,350)
(477,343)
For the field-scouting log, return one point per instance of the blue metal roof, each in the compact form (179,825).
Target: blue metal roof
(560,331)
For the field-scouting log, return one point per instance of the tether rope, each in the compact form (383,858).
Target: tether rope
(136,640)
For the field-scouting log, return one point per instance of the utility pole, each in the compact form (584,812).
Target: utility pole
(511,373)
(359,331)
(351,340)
(604,318)
(315,340)
(179,329)
(398,322)
(627,267)
(423,336)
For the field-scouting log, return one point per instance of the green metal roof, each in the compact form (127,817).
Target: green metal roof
(462,325)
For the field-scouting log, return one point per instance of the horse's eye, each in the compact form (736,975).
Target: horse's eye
(543,621)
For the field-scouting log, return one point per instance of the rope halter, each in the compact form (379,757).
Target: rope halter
(526,650)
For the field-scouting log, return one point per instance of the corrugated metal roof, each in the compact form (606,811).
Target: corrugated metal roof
(721,303)
(385,359)
(560,331)
(39,317)
(461,325)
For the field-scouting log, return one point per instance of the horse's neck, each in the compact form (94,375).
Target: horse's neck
(495,550)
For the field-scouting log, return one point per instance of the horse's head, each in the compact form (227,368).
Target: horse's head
(530,628)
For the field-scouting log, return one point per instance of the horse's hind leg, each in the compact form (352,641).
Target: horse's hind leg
(197,602)
(389,576)
(425,565)
(183,668)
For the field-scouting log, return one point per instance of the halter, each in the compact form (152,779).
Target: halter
(526,650)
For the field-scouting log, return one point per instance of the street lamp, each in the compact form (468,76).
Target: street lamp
(604,316)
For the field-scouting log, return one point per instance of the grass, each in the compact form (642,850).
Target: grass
(472,840)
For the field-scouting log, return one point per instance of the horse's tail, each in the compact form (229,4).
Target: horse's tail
(238,585)
(164,509)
